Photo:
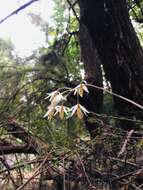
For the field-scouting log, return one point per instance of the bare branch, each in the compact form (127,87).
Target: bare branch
(7,167)
(18,10)
(12,149)
(72,7)
(31,143)
(123,149)
(36,171)
(118,96)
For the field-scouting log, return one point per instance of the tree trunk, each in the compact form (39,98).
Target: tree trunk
(119,50)
(93,74)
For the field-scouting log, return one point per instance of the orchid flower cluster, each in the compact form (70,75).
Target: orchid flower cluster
(57,100)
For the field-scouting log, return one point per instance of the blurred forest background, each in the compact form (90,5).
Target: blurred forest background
(99,42)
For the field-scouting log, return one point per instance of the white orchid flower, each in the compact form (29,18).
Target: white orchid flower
(79,110)
(80,89)
(52,95)
(55,97)
(62,110)
(50,112)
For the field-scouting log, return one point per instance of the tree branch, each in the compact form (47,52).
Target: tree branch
(12,149)
(71,6)
(7,167)
(18,10)
(31,144)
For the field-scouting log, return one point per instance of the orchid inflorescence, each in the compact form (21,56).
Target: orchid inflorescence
(57,100)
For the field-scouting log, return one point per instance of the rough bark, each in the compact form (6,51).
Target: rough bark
(119,50)
(93,74)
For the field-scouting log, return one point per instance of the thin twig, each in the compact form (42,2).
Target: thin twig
(117,117)
(129,134)
(4,162)
(127,162)
(88,180)
(140,187)
(109,92)
(64,176)
(72,7)
(35,161)
(134,173)
(17,10)
(116,95)
(35,173)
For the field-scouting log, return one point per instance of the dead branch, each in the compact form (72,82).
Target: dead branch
(36,171)
(4,162)
(12,149)
(31,144)
(123,149)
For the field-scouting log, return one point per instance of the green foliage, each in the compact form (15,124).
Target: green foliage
(25,82)
(60,15)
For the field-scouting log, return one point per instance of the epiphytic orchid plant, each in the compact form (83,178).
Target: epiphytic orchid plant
(57,100)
